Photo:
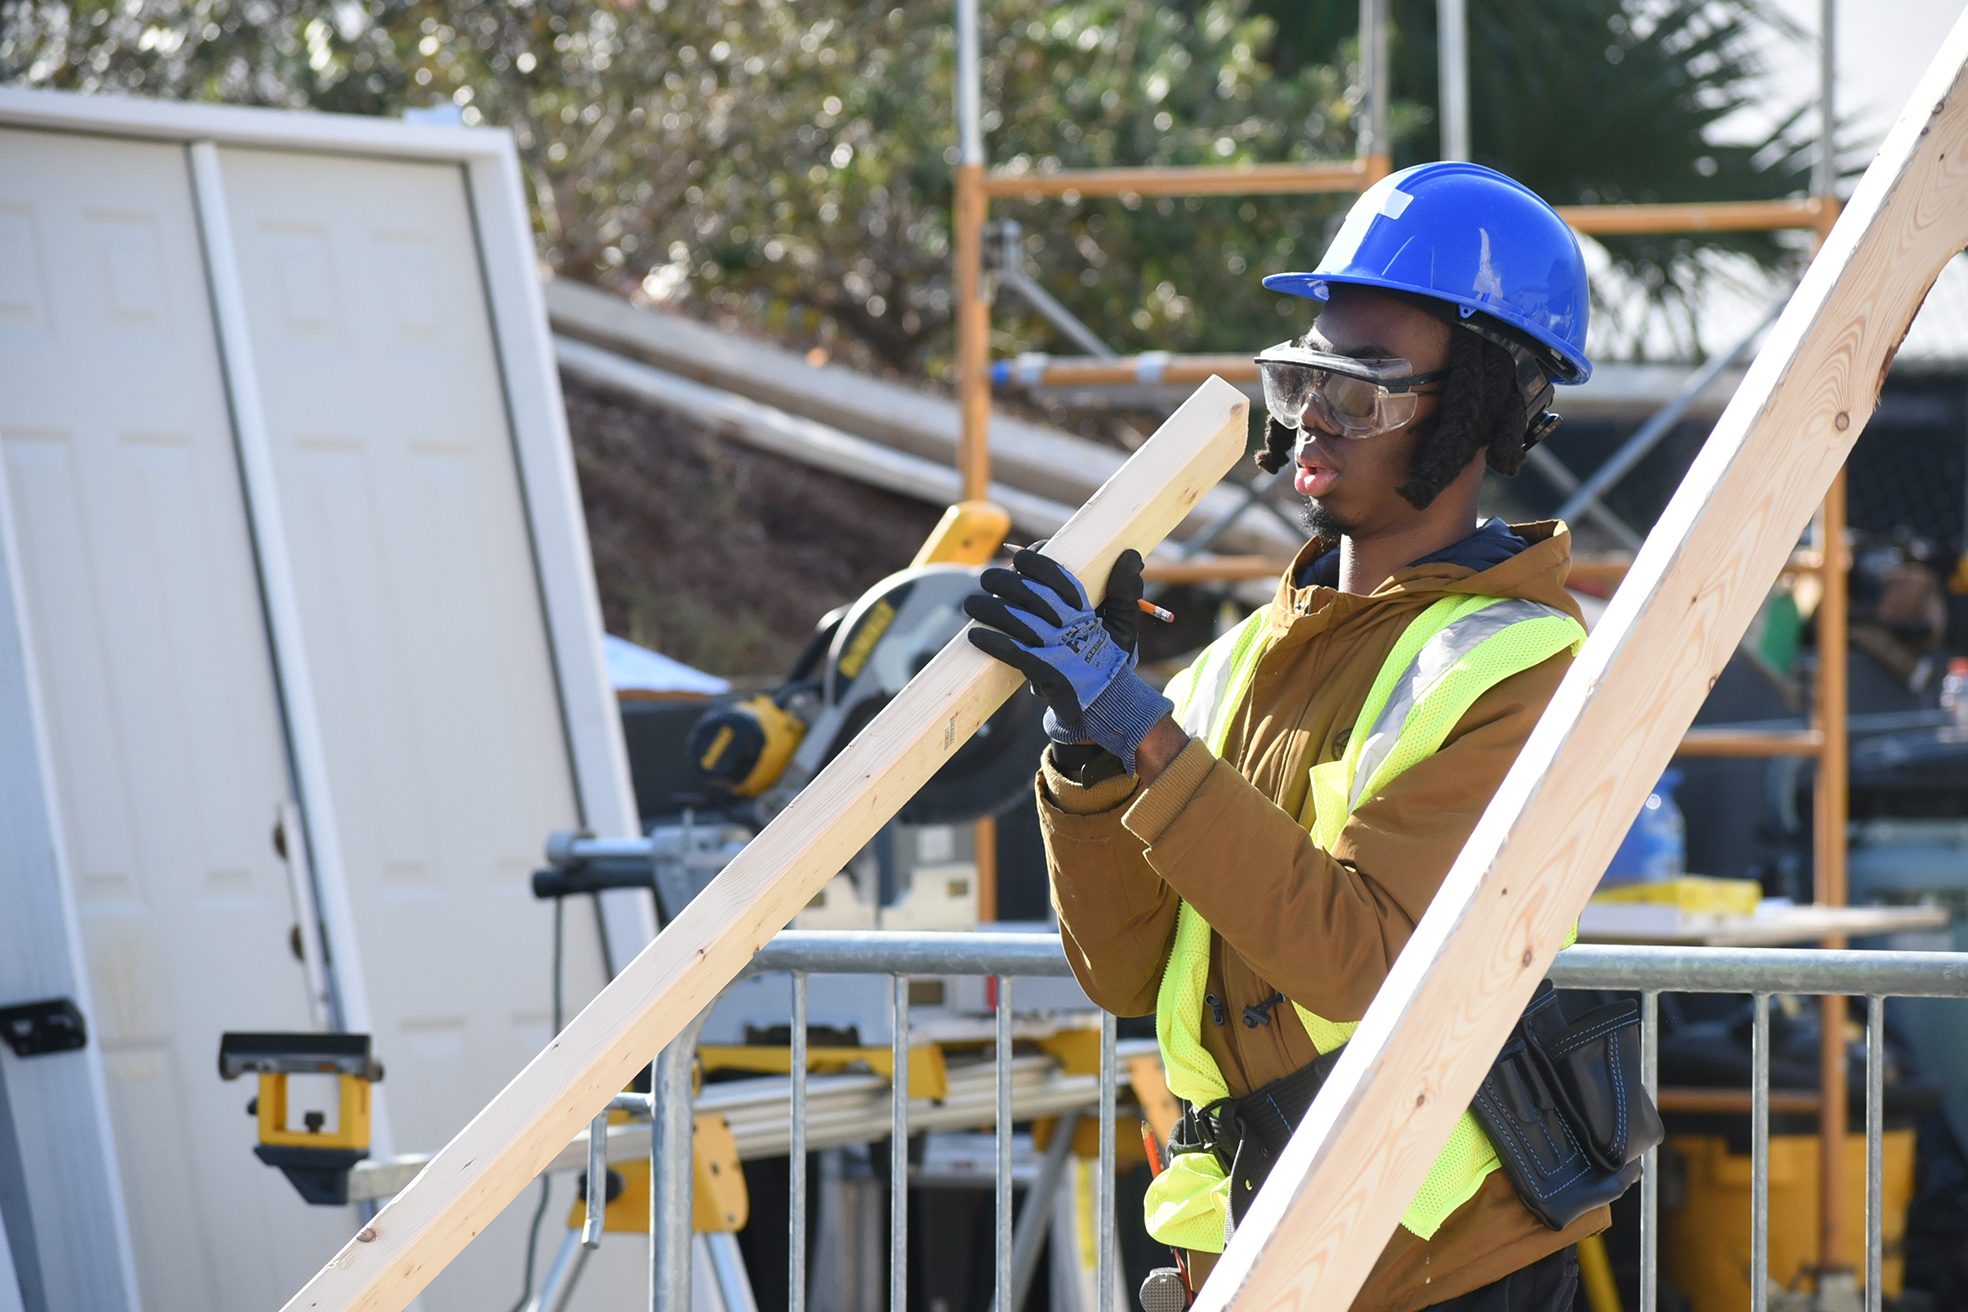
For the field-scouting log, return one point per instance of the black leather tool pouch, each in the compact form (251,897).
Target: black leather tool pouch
(1565,1108)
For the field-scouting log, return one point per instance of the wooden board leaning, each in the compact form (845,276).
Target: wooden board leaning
(508,1143)
(1314,1232)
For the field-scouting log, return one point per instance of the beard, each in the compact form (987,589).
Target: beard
(1321,522)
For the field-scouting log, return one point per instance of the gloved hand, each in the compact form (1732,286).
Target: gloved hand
(1041,624)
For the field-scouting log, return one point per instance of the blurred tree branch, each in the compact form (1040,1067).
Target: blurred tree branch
(792,161)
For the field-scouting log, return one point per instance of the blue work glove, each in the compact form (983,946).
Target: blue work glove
(1041,624)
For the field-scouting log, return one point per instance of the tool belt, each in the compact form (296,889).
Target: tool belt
(1562,1104)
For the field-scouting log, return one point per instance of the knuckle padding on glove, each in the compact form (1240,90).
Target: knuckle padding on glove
(994,612)
(1017,591)
(1050,573)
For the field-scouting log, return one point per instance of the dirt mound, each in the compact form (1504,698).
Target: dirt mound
(715,553)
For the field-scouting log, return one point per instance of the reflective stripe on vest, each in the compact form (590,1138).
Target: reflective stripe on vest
(1445,660)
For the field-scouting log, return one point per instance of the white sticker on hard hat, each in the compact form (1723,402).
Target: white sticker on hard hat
(1489,283)
(1395,202)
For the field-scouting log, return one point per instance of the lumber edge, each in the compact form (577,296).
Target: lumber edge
(1338,1190)
(504,1147)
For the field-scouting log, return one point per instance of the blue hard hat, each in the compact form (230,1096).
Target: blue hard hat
(1474,238)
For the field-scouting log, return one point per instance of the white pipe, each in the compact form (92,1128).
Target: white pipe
(1825,175)
(795,438)
(306,739)
(970,126)
(1373,78)
(1452,60)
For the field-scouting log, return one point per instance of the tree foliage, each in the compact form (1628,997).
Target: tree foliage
(792,161)
(1600,102)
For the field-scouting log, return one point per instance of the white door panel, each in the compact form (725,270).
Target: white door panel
(425,637)
(158,695)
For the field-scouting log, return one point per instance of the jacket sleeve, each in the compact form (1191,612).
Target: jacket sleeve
(1324,927)
(1116,916)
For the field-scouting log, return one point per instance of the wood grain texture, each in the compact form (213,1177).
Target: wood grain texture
(547,1104)
(1340,1187)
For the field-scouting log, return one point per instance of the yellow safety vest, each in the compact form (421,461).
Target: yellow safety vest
(1447,658)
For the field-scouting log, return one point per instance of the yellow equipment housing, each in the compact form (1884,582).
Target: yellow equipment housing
(969,533)
(746,745)
(351,1120)
(720,1203)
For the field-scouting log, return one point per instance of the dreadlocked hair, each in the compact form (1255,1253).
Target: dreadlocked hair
(1278,444)
(1482,411)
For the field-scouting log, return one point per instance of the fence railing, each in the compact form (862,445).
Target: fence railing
(1760,973)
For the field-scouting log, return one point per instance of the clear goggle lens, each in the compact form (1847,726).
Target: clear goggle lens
(1353,398)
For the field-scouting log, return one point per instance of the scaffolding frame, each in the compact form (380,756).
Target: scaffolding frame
(1827,740)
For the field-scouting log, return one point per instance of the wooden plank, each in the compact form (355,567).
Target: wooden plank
(1338,1190)
(1733,1101)
(1737,742)
(1201,180)
(1155,367)
(1214,569)
(1712,216)
(973,316)
(647,1005)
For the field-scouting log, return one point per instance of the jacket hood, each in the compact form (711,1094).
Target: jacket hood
(1537,573)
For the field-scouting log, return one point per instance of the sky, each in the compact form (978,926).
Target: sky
(1883,47)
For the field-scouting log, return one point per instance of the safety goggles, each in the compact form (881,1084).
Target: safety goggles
(1353,398)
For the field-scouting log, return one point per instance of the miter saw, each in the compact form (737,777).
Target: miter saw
(746,758)
(769,746)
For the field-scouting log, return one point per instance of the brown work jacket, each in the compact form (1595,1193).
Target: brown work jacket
(1321,927)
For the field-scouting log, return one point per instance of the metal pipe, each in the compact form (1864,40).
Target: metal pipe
(1014,277)
(1768,970)
(671,1161)
(727,1263)
(898,1153)
(294,681)
(1452,74)
(1029,1235)
(972,312)
(1875,1153)
(1759,1159)
(879,952)
(1549,465)
(1103,1262)
(1831,801)
(1002,1060)
(562,1276)
(1650,1164)
(1649,434)
(796,1157)
(1374,146)
(591,1224)
(970,121)
(1253,494)
(1584,966)
(1824,173)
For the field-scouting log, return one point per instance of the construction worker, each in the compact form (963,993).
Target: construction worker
(1245,853)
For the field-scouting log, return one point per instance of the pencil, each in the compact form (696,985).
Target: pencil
(1166,617)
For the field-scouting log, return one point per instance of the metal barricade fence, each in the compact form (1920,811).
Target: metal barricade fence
(1650,971)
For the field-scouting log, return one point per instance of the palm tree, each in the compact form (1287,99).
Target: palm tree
(1598,101)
